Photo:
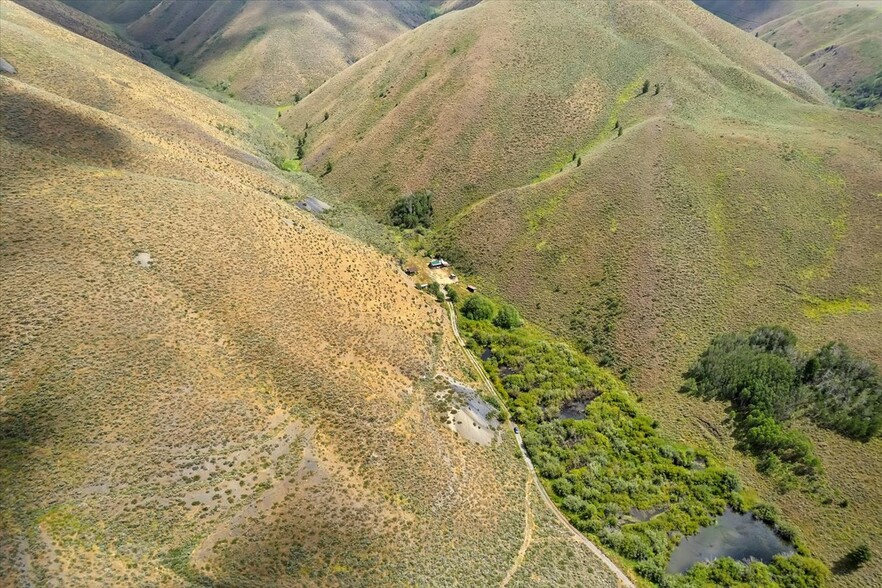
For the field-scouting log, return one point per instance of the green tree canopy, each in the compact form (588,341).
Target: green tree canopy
(479,308)
(413,211)
(508,317)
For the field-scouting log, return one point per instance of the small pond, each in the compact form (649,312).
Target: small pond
(646,514)
(739,536)
(573,409)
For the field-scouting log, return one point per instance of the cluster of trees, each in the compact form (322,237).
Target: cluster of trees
(866,95)
(412,211)
(601,467)
(768,381)
(481,308)
(845,392)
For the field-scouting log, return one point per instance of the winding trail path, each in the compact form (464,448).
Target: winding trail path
(623,580)
(528,538)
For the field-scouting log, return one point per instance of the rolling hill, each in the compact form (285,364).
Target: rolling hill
(469,110)
(750,14)
(264,52)
(201,384)
(84,25)
(836,41)
(735,195)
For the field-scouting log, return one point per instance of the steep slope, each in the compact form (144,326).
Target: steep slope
(265,52)
(750,14)
(115,11)
(84,25)
(201,384)
(838,42)
(735,196)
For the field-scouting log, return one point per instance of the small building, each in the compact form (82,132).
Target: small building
(410,271)
(438,264)
(471,289)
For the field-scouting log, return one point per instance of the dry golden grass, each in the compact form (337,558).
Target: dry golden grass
(737,196)
(200,382)
(265,52)
(84,25)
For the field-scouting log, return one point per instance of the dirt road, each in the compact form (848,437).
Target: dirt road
(623,580)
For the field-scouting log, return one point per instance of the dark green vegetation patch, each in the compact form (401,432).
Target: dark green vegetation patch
(611,472)
(866,95)
(412,211)
(769,382)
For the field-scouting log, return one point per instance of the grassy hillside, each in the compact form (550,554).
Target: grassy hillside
(836,41)
(750,14)
(466,106)
(264,52)
(84,25)
(201,384)
(736,196)
(115,11)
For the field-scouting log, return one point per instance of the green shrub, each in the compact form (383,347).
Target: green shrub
(798,571)
(794,571)
(599,467)
(508,317)
(866,94)
(291,165)
(860,555)
(435,290)
(479,308)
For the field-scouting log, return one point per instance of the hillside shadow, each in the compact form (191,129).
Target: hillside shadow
(845,565)
(33,121)
(28,422)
